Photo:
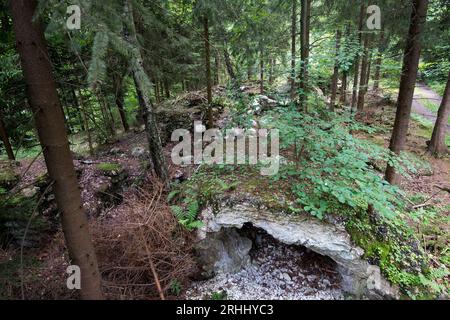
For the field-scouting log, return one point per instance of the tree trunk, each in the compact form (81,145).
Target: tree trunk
(208,71)
(407,83)
(5,139)
(304,50)
(334,81)
(356,72)
(166,88)
(376,77)
(229,65)
(369,69)
(216,67)
(261,72)
(143,89)
(78,108)
(343,93)
(86,123)
(437,143)
(156,90)
(49,120)
(293,46)
(362,81)
(119,99)
(271,67)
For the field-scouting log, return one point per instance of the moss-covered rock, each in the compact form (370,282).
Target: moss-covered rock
(109,168)
(8,176)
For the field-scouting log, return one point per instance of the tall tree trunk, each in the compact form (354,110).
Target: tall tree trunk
(261,71)
(362,81)
(216,67)
(249,71)
(156,90)
(304,50)
(293,46)
(356,72)
(271,70)
(86,123)
(407,83)
(166,88)
(119,99)
(45,103)
(343,93)
(437,143)
(334,80)
(230,69)
(208,71)
(376,77)
(143,89)
(5,139)
(369,69)
(78,108)
(107,118)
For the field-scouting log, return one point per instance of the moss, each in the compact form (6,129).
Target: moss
(109,167)
(8,177)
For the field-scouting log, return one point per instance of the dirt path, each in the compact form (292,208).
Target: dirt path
(423,93)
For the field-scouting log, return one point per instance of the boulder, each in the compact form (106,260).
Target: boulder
(360,278)
(139,152)
(8,177)
(222,252)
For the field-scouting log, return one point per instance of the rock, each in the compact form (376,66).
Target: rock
(326,283)
(110,169)
(359,277)
(267,103)
(222,252)
(115,150)
(311,278)
(30,192)
(138,152)
(286,277)
(8,177)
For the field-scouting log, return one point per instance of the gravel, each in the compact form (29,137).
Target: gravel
(277,272)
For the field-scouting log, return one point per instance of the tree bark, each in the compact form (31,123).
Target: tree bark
(261,72)
(362,81)
(216,68)
(5,139)
(119,99)
(407,83)
(208,71)
(143,88)
(304,50)
(293,46)
(343,93)
(86,123)
(356,72)
(334,80)
(437,143)
(376,77)
(43,98)
(230,69)
(271,70)
(166,89)
(369,69)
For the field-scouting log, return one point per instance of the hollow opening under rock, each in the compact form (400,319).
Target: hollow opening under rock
(267,269)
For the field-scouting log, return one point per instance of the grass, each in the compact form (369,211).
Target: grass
(24,153)
(437,87)
(432,107)
(425,128)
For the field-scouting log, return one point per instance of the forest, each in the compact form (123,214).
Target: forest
(224,149)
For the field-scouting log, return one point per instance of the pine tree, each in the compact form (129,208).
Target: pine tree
(43,98)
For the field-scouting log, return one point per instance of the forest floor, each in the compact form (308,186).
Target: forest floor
(113,212)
